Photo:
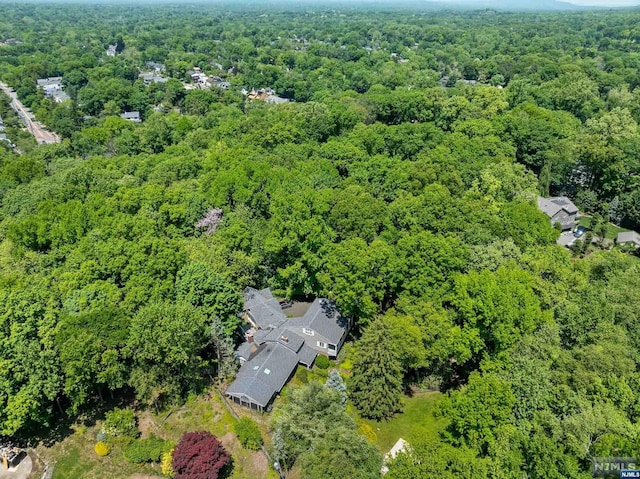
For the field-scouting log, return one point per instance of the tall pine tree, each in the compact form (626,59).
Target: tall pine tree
(376,385)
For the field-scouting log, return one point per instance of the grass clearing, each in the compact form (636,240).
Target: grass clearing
(416,422)
(612,230)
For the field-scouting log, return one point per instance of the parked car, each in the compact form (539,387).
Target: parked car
(580,230)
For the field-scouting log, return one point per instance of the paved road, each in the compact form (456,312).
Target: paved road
(35,127)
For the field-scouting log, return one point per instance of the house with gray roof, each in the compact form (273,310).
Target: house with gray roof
(156,67)
(53,88)
(275,345)
(629,237)
(133,116)
(150,77)
(559,209)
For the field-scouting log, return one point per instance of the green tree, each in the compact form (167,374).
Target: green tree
(376,385)
(212,293)
(165,345)
(478,411)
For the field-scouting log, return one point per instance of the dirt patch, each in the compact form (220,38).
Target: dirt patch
(230,441)
(147,425)
(259,464)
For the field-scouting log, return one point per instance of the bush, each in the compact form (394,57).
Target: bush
(146,450)
(101,436)
(368,432)
(248,434)
(199,455)
(302,375)
(165,464)
(101,448)
(322,362)
(121,423)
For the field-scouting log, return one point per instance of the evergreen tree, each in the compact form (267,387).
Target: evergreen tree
(376,385)
(119,45)
(334,381)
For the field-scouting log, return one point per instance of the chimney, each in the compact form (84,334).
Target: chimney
(284,339)
(249,336)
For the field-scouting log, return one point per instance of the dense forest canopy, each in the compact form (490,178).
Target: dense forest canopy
(399,181)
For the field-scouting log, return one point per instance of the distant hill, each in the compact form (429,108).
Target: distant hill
(504,5)
(515,4)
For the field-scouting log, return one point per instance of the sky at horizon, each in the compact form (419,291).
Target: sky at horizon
(590,3)
(528,4)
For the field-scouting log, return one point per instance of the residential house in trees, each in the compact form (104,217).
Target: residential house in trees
(53,88)
(275,345)
(133,116)
(561,210)
(629,237)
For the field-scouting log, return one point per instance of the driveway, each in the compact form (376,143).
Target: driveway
(21,472)
(566,238)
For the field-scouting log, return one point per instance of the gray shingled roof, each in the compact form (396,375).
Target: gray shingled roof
(130,115)
(244,350)
(628,237)
(323,317)
(551,206)
(253,389)
(264,308)
(293,341)
(306,355)
(265,374)
(271,359)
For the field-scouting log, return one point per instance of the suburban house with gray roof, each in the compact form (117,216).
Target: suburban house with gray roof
(629,237)
(275,345)
(133,116)
(559,209)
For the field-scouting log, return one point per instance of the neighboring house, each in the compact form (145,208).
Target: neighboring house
(52,88)
(275,345)
(275,100)
(559,209)
(111,50)
(268,95)
(156,67)
(60,96)
(629,237)
(49,85)
(133,116)
(151,77)
(221,84)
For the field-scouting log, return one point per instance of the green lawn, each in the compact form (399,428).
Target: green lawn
(612,230)
(414,423)
(75,459)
